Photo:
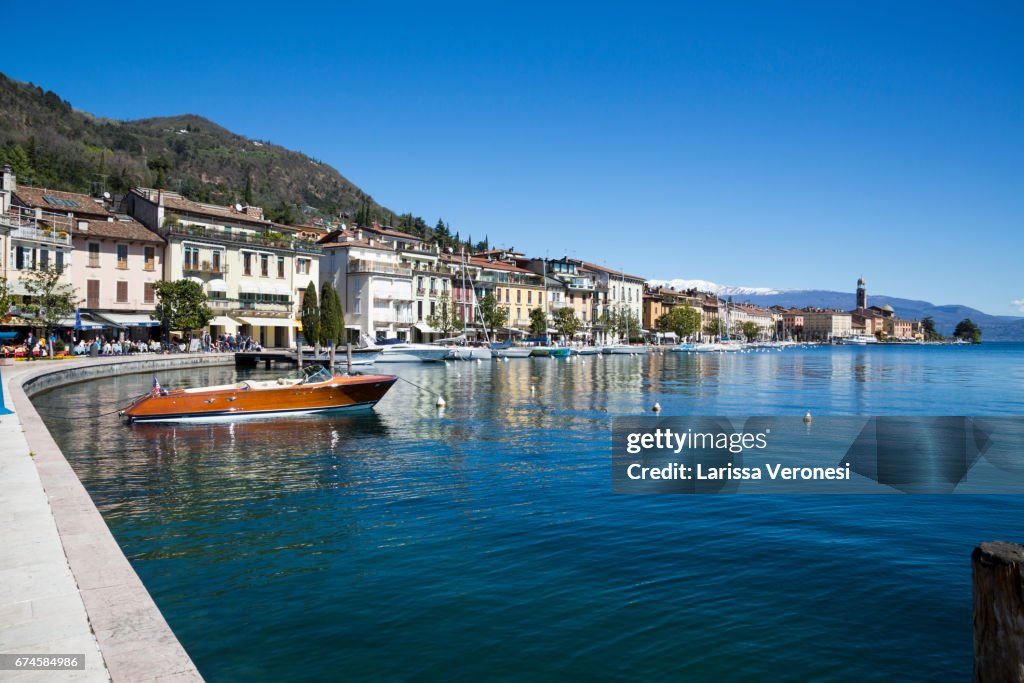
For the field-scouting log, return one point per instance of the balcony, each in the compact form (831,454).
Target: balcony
(272,241)
(38,226)
(391,296)
(397,317)
(420,291)
(264,306)
(206,267)
(377,268)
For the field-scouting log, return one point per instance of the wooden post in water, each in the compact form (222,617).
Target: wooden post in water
(348,353)
(998,612)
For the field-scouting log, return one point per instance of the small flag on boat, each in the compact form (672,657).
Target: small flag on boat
(156,386)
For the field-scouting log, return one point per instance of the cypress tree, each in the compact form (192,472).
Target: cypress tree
(310,319)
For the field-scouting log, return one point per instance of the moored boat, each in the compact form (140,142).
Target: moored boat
(550,352)
(413,353)
(313,389)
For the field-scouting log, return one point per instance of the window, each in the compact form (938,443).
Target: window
(60,261)
(44,259)
(94,255)
(519,296)
(358,307)
(280,266)
(419,310)
(529,297)
(148,294)
(122,292)
(150,258)
(433,309)
(302,266)
(216,261)
(264,265)
(247,264)
(433,288)
(92,294)
(122,259)
(191,258)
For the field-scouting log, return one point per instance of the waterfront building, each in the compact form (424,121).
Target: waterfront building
(789,322)
(251,269)
(615,289)
(33,238)
(880,321)
(517,290)
(431,279)
(116,261)
(825,324)
(744,313)
(568,285)
(374,284)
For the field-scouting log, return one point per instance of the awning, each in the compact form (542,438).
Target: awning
(424,328)
(197,280)
(249,288)
(282,290)
(267,322)
(217,285)
(224,321)
(126,320)
(87,323)
(267,289)
(18,321)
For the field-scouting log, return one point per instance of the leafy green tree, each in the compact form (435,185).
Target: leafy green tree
(493,315)
(621,322)
(310,319)
(684,321)
(51,299)
(967,330)
(750,330)
(713,328)
(566,322)
(6,299)
(538,322)
(928,329)
(161,165)
(181,305)
(444,319)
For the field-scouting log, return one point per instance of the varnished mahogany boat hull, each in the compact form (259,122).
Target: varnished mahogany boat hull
(260,400)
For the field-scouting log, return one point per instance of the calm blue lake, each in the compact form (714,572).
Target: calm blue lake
(484,543)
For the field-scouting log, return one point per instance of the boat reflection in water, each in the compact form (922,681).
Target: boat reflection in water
(313,389)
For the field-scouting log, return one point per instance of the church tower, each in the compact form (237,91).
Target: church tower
(862,294)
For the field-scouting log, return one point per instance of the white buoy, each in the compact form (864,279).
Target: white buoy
(440,402)
(479,361)
(657,407)
(807,417)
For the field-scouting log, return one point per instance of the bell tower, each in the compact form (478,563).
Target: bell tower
(862,294)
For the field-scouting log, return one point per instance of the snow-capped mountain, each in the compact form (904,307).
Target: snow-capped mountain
(714,287)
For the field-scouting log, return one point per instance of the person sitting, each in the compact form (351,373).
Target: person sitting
(79,349)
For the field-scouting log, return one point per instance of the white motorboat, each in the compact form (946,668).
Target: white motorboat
(858,340)
(624,350)
(413,353)
(359,356)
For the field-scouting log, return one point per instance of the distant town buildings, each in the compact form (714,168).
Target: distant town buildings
(392,284)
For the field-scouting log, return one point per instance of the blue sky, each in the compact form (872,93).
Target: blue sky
(792,145)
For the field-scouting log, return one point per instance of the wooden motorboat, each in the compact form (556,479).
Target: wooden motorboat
(314,389)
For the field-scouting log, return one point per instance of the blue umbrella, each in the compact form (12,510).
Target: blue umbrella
(78,318)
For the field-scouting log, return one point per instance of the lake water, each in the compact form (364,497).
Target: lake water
(484,542)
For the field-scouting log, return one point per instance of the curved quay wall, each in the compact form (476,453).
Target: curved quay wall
(133,636)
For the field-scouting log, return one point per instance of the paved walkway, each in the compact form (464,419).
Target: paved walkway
(41,610)
(65,585)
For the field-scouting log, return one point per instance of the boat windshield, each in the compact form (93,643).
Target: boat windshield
(315,373)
